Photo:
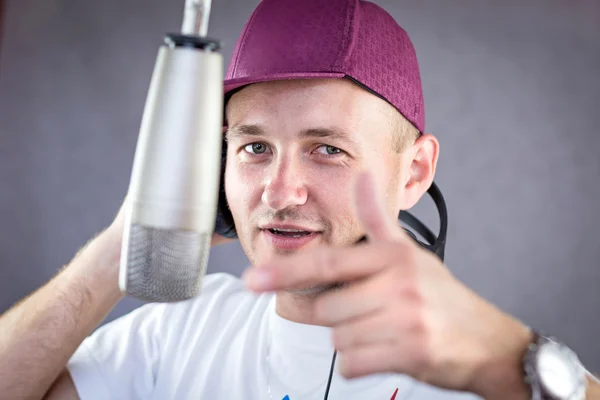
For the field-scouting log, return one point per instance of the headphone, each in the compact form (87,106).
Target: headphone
(435,243)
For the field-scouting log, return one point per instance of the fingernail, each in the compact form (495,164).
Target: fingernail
(258,279)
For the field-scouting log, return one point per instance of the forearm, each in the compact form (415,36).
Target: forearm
(503,375)
(40,334)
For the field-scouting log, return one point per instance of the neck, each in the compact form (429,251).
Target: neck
(299,306)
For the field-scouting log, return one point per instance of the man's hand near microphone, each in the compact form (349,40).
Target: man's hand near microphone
(39,334)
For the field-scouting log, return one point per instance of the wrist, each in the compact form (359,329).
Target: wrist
(500,375)
(96,267)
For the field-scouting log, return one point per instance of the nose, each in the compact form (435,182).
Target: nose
(285,186)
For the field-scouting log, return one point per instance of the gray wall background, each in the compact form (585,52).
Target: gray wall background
(512,90)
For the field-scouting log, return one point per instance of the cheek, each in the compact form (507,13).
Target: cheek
(335,201)
(242,187)
(332,192)
(335,186)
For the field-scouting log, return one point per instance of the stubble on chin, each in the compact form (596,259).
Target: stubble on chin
(312,292)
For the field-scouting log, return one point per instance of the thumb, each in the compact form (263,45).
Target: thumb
(372,212)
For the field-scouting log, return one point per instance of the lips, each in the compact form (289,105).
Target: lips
(288,237)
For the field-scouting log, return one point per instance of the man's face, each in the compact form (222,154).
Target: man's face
(293,151)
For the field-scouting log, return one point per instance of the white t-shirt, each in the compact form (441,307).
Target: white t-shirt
(227,343)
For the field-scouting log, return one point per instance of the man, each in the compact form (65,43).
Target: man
(319,91)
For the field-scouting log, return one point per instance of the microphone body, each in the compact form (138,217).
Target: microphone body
(173,192)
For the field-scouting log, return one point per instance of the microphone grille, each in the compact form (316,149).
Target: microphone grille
(165,265)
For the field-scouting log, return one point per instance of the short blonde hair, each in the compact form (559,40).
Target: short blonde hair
(404,132)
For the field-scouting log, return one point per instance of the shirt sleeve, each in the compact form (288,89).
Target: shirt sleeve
(120,359)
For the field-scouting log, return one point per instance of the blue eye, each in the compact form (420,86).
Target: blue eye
(331,150)
(255,148)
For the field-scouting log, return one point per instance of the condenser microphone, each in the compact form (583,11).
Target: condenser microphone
(172,198)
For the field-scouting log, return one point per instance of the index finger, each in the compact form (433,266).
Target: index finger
(323,265)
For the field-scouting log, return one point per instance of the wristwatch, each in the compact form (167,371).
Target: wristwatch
(553,371)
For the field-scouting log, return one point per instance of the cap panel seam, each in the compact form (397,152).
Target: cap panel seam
(338,62)
(247,33)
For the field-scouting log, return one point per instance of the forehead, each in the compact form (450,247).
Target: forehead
(307,103)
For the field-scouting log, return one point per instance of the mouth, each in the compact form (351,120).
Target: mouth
(293,233)
(288,238)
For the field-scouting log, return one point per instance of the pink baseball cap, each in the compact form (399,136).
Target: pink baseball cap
(355,39)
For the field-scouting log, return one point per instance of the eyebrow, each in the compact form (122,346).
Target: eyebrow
(244,130)
(334,133)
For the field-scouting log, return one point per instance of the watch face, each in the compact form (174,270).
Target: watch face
(557,371)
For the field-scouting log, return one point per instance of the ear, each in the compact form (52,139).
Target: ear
(422,162)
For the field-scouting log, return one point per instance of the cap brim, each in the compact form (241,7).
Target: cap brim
(231,84)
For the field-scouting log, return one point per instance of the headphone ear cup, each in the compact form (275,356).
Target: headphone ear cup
(414,237)
(224,224)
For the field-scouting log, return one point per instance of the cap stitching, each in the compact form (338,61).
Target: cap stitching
(337,62)
(247,32)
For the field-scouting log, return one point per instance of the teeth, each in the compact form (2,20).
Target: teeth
(290,232)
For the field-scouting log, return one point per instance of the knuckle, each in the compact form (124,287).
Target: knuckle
(405,287)
(418,326)
(414,295)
